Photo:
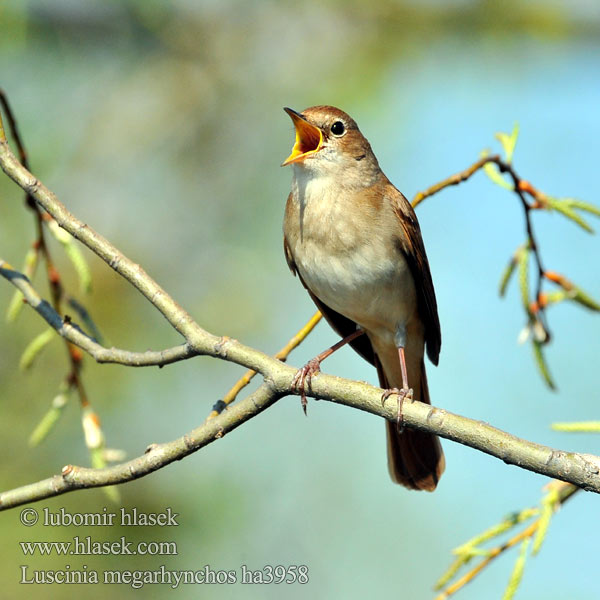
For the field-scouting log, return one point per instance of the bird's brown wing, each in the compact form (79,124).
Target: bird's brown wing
(411,245)
(339,323)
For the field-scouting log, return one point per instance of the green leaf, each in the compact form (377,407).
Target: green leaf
(34,348)
(506,275)
(556,297)
(14,307)
(517,574)
(452,570)
(74,254)
(50,419)
(95,441)
(587,206)
(491,170)
(17,302)
(540,361)
(549,503)
(584,299)
(565,207)
(506,524)
(471,548)
(509,142)
(523,262)
(578,427)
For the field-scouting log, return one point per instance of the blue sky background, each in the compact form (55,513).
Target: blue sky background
(162,128)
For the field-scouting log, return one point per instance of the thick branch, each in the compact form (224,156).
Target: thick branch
(580,469)
(583,470)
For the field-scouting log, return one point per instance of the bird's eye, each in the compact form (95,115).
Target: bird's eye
(338,128)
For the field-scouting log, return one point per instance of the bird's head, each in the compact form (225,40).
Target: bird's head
(327,140)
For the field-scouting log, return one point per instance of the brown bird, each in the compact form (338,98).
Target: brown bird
(355,243)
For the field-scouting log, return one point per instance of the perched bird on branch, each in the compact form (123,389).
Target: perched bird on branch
(354,241)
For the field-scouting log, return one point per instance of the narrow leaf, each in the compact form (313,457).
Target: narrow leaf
(452,570)
(506,275)
(556,297)
(582,298)
(564,208)
(14,307)
(491,170)
(509,142)
(34,348)
(540,361)
(549,504)
(587,206)
(517,574)
(94,440)
(523,261)
(578,427)
(81,267)
(50,419)
(16,302)
(506,524)
(74,254)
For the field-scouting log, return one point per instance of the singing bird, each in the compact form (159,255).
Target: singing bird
(354,241)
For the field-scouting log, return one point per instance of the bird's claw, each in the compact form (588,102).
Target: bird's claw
(303,379)
(402,394)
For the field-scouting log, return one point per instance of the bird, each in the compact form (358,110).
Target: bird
(355,243)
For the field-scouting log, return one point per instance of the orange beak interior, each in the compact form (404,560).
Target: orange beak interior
(309,138)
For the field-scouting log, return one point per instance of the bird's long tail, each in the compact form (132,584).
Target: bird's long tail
(415,458)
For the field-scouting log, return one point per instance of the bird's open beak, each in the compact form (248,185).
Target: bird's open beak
(309,138)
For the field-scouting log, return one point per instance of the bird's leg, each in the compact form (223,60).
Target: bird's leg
(302,379)
(405,392)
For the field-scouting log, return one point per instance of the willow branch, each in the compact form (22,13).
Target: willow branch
(41,247)
(520,188)
(248,376)
(565,492)
(580,469)
(454,179)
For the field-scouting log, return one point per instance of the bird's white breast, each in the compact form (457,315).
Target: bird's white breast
(345,255)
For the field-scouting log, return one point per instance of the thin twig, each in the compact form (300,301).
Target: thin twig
(41,246)
(453,179)
(520,186)
(16,135)
(565,493)
(282,355)
(75,335)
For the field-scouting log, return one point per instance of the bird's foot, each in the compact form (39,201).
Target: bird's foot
(402,394)
(303,379)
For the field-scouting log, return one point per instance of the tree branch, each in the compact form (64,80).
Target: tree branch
(580,469)
(454,179)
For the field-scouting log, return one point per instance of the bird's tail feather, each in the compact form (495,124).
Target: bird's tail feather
(415,458)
